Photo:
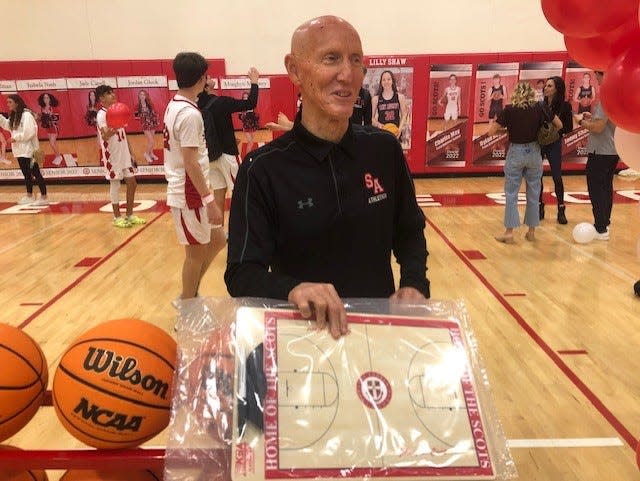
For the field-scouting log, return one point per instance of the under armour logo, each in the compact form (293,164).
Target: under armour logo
(305,203)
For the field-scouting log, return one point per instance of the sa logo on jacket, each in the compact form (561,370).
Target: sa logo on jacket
(373,184)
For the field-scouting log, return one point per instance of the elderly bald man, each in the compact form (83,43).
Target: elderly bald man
(317,213)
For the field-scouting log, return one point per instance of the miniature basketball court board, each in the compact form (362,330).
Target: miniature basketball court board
(395,398)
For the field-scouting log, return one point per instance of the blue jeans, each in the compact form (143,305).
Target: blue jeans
(523,160)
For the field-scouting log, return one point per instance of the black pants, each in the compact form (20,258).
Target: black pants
(553,154)
(32,173)
(600,171)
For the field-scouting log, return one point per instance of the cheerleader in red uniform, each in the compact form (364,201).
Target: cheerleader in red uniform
(49,122)
(92,109)
(149,122)
(250,123)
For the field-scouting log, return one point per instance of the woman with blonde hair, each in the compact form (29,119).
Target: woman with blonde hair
(522,119)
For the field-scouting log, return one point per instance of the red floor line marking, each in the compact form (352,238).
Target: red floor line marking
(31,303)
(514,294)
(55,298)
(588,393)
(573,352)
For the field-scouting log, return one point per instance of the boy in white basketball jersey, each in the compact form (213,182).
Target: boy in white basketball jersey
(116,158)
(197,218)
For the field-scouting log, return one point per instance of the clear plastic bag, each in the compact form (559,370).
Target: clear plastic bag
(404,395)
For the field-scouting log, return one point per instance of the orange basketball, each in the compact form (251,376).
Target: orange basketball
(112,388)
(121,475)
(23,379)
(585,101)
(393,128)
(33,475)
(496,95)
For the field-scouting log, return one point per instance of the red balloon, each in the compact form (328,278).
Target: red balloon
(620,93)
(118,115)
(587,18)
(600,51)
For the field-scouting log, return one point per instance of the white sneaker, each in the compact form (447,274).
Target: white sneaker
(148,158)
(26,200)
(57,160)
(603,236)
(629,173)
(43,200)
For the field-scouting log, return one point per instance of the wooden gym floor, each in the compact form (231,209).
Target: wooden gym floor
(557,323)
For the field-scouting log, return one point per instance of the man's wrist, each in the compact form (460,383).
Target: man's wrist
(207,199)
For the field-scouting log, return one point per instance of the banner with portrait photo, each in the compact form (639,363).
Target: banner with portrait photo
(494,84)
(7,87)
(83,103)
(147,96)
(239,88)
(537,73)
(448,114)
(583,93)
(391,89)
(49,100)
(250,121)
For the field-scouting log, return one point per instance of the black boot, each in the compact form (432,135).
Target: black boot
(541,210)
(562,219)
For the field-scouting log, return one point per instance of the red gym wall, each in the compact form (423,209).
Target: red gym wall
(432,145)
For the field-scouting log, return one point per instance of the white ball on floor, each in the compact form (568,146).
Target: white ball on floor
(584,232)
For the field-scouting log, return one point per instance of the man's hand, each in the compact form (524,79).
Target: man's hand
(323,301)
(254,75)
(214,214)
(408,294)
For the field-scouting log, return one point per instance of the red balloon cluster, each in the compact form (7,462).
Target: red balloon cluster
(118,115)
(605,36)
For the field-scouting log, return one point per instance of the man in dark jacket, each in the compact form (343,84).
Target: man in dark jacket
(317,213)
(221,140)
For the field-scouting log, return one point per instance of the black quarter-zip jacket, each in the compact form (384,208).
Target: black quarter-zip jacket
(308,210)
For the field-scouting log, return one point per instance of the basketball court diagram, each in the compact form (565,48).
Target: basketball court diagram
(361,406)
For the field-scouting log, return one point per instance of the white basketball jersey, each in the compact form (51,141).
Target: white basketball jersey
(114,152)
(452,94)
(183,127)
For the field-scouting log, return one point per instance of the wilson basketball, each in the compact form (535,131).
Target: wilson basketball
(118,115)
(85,475)
(585,101)
(112,388)
(496,95)
(393,128)
(23,379)
(33,475)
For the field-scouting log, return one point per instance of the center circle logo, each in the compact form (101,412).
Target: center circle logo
(374,390)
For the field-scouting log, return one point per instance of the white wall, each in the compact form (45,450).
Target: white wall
(257,32)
